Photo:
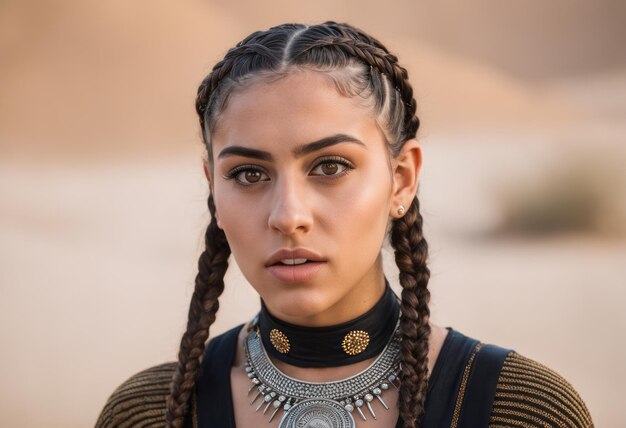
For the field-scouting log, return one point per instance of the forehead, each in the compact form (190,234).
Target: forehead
(300,107)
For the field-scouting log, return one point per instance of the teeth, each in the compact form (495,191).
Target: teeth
(293,261)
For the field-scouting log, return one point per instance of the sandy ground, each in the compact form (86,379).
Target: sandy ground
(97,262)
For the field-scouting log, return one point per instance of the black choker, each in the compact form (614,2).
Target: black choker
(338,345)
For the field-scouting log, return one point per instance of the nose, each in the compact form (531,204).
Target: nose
(290,212)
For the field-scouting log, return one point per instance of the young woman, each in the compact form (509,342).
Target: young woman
(311,162)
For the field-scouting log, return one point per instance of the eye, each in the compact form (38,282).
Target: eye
(332,166)
(247,175)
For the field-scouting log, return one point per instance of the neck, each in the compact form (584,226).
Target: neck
(350,342)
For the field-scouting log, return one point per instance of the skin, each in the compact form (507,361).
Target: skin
(311,201)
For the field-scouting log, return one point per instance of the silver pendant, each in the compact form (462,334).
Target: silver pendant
(317,413)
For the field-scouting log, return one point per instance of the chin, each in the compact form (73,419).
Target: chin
(299,304)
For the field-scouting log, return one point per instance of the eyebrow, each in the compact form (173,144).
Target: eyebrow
(298,151)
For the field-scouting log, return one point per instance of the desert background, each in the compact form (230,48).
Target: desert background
(103,199)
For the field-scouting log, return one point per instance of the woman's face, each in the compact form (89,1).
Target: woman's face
(302,174)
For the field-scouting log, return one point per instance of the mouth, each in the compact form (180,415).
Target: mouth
(293,257)
(295,265)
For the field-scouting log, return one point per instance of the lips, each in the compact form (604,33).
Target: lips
(286,256)
(297,265)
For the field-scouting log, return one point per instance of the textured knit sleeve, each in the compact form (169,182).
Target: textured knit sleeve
(140,401)
(529,394)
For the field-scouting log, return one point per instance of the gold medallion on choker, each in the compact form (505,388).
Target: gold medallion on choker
(280,341)
(355,342)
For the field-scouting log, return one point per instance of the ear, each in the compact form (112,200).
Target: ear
(406,169)
(207,174)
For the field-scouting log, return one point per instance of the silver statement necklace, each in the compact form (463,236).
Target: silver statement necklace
(319,404)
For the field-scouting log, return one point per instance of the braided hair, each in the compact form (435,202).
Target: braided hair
(359,65)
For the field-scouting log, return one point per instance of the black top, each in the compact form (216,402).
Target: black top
(462,385)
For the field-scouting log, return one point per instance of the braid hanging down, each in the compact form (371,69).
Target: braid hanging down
(411,252)
(365,68)
(204,304)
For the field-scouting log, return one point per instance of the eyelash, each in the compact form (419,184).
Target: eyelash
(349,166)
(233,173)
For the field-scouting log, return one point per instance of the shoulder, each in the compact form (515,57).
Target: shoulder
(529,394)
(140,400)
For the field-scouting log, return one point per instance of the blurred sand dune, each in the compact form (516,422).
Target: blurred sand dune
(107,78)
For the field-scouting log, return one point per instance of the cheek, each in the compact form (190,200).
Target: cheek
(361,212)
(240,223)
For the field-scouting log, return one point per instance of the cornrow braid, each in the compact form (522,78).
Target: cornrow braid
(411,253)
(263,51)
(221,70)
(212,266)
(210,82)
(371,52)
(252,44)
